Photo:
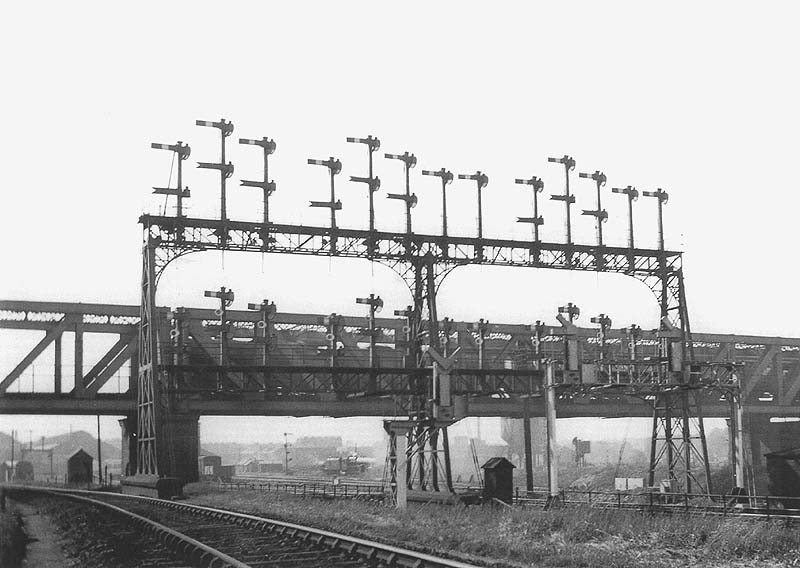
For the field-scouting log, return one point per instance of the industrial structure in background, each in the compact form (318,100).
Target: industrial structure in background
(427,371)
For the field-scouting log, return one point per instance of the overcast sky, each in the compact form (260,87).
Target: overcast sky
(697,98)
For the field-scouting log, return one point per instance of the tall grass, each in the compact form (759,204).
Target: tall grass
(524,536)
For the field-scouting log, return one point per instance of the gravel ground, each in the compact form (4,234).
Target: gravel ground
(12,540)
(93,538)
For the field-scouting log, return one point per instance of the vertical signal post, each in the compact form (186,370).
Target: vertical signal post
(566,197)
(482,181)
(375,304)
(334,324)
(572,359)
(481,326)
(663,197)
(600,215)
(267,186)
(334,168)
(182,151)
(605,324)
(634,333)
(538,329)
(409,354)
(447,178)
(538,186)
(226,298)
(410,199)
(633,195)
(573,312)
(373,183)
(262,331)
(225,169)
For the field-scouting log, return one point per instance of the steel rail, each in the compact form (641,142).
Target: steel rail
(756,513)
(370,551)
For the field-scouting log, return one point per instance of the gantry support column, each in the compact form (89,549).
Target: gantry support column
(550,404)
(155,451)
(526,427)
(677,404)
(148,400)
(736,438)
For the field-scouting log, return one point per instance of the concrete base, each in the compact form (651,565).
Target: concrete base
(443,497)
(153,486)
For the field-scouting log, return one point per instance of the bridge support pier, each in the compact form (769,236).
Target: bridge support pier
(183,446)
(128,432)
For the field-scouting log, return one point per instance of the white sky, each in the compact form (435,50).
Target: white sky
(697,98)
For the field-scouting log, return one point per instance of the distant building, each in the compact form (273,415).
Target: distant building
(249,465)
(311,451)
(79,468)
(6,472)
(23,471)
(42,460)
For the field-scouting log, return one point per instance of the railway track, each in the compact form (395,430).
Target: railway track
(788,515)
(205,536)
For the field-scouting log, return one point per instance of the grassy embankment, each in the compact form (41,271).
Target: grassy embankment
(521,537)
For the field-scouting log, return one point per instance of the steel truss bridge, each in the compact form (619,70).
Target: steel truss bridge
(300,381)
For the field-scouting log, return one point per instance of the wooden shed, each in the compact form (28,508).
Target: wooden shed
(79,468)
(209,466)
(498,480)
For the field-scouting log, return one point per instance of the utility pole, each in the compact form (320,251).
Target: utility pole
(285,453)
(99,458)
